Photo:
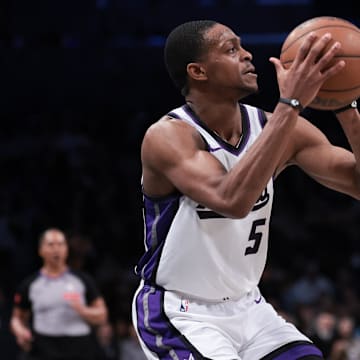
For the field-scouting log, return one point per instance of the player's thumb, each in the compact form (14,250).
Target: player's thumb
(277,63)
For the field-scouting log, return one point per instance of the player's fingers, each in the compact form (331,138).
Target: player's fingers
(318,53)
(332,70)
(327,56)
(277,63)
(305,47)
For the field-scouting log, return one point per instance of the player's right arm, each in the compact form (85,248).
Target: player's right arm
(175,158)
(19,327)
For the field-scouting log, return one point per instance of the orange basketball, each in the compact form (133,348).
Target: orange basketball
(344,87)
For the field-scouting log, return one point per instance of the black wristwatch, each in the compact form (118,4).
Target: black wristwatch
(295,103)
(352,105)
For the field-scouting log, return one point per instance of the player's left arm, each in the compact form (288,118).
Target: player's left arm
(333,166)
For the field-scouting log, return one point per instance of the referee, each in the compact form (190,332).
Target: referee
(56,308)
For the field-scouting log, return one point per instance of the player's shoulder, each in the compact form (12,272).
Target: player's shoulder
(169,129)
(168,123)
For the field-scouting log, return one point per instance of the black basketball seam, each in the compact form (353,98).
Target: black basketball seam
(335,57)
(340,90)
(321,27)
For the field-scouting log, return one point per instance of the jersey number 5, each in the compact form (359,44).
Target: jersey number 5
(255,236)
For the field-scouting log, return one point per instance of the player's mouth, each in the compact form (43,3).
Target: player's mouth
(250,71)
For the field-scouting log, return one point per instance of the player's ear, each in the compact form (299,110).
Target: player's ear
(196,71)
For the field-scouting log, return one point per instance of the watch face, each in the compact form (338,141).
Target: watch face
(294,102)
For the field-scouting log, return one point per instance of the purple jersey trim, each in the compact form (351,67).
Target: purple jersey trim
(262,117)
(173,115)
(224,145)
(158,216)
(214,149)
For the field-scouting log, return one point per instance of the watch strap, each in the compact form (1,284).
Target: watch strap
(295,103)
(352,105)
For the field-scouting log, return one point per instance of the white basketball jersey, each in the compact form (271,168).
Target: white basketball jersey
(194,250)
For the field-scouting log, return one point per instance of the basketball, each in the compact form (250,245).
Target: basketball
(344,87)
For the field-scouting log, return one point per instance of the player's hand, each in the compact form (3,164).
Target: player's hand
(24,339)
(313,65)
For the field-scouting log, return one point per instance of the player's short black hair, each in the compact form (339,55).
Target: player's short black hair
(185,44)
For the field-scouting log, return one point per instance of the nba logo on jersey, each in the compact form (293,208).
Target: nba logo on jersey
(184,307)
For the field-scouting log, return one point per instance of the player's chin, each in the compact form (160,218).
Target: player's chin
(249,89)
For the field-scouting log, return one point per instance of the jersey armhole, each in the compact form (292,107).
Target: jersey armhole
(207,146)
(262,117)
(173,115)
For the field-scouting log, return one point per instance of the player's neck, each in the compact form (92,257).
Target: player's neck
(224,118)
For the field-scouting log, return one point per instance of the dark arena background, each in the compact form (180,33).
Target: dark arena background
(80,82)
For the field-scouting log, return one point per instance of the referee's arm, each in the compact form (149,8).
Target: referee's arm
(19,326)
(94,313)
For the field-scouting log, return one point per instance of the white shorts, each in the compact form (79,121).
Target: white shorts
(170,326)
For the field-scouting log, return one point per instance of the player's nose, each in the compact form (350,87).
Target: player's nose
(245,54)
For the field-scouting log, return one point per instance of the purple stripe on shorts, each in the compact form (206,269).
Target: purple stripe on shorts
(298,352)
(155,329)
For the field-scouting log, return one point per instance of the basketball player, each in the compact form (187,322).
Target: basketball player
(56,308)
(208,170)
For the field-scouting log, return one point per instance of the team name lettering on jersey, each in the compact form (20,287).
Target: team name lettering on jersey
(205,213)
(262,200)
